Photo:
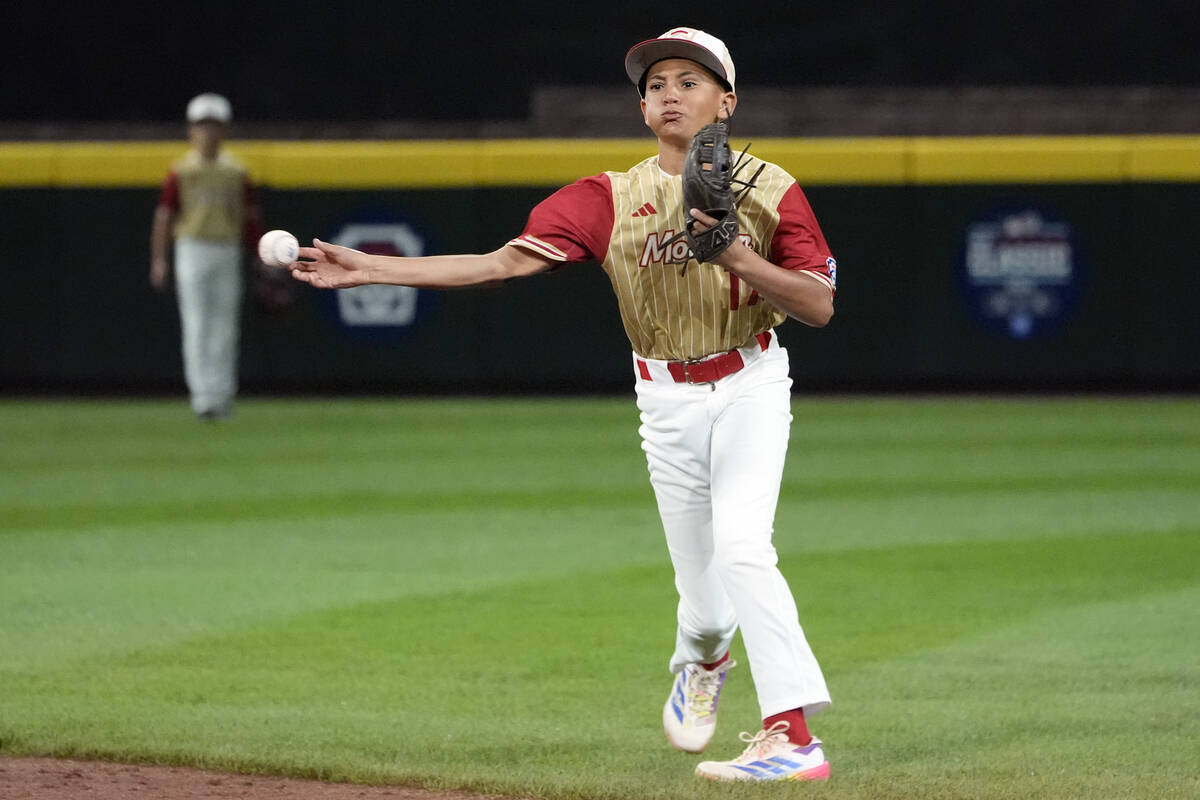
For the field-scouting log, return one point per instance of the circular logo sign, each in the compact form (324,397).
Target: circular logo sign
(379,305)
(379,312)
(1021,271)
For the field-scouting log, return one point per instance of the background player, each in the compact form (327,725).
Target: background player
(712,386)
(209,206)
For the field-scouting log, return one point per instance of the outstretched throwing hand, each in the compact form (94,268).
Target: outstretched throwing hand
(331,266)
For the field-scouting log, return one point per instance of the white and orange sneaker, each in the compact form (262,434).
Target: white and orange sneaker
(690,714)
(770,756)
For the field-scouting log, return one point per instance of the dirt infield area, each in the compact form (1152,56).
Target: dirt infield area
(67,779)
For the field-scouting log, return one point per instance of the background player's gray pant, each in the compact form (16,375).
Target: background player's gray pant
(208,281)
(716,460)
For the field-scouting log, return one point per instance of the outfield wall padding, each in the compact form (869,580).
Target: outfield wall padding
(77,313)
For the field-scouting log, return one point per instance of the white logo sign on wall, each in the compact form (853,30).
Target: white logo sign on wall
(1020,272)
(379,306)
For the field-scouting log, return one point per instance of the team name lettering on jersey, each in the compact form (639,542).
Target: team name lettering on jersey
(657,251)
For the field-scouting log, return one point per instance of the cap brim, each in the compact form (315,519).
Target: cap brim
(644,55)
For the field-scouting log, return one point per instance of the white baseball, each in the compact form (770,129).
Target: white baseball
(278,248)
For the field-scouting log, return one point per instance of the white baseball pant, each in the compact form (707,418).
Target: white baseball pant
(208,281)
(716,452)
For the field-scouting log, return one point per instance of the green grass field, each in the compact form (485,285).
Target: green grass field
(1004,594)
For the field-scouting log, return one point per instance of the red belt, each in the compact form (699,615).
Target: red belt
(708,370)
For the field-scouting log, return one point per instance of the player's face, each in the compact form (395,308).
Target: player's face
(681,98)
(206,136)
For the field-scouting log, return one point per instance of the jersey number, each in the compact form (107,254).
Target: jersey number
(735,294)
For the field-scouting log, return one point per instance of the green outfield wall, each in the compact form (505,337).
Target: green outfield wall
(1065,263)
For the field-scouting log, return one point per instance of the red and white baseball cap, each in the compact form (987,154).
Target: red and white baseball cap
(689,43)
(209,106)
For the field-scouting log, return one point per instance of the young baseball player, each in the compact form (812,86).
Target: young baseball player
(712,387)
(208,205)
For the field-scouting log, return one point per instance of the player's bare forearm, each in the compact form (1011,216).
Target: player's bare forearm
(799,295)
(160,232)
(160,238)
(332,267)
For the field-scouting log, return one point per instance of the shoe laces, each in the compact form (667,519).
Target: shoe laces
(705,686)
(760,742)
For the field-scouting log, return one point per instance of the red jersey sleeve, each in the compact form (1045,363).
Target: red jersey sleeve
(799,243)
(170,192)
(573,224)
(252,228)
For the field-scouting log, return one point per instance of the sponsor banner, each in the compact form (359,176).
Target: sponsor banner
(1021,270)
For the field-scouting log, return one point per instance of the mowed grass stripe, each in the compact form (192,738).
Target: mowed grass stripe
(394,690)
(1082,701)
(341,504)
(67,516)
(1000,591)
(107,590)
(70,463)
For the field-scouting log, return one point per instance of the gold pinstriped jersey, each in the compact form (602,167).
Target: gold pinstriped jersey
(209,196)
(625,219)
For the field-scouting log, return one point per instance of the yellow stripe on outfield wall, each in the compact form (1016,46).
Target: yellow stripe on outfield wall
(554,162)
(1067,159)
(1165,158)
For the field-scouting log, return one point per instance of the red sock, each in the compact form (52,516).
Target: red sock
(797,731)
(717,663)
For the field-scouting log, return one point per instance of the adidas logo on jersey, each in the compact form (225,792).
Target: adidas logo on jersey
(645,211)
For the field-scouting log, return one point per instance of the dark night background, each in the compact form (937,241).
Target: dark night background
(453,61)
(394,70)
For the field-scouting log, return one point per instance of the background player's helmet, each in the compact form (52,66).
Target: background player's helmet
(209,106)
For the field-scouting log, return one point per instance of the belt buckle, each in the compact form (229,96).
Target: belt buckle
(687,375)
